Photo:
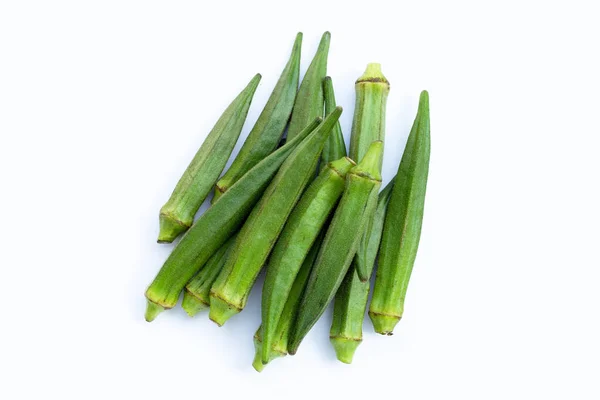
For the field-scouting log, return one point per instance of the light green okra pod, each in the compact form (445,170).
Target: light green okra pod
(177,215)
(309,100)
(402,227)
(296,239)
(197,290)
(335,147)
(213,229)
(340,243)
(267,131)
(368,125)
(351,298)
(260,231)
(280,344)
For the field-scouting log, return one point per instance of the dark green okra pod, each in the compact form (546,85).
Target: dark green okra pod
(296,239)
(197,290)
(351,298)
(267,131)
(309,100)
(280,344)
(402,227)
(177,215)
(368,125)
(213,229)
(260,231)
(340,243)
(335,147)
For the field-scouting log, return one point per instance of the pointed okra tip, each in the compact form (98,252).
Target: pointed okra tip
(152,310)
(221,310)
(169,228)
(370,165)
(344,348)
(324,43)
(424,103)
(373,74)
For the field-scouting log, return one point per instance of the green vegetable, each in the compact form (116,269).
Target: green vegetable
(341,241)
(402,227)
(335,147)
(258,235)
(280,344)
(309,100)
(368,125)
(266,133)
(177,215)
(213,229)
(197,290)
(351,298)
(296,239)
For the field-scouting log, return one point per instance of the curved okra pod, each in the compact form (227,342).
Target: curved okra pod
(213,229)
(197,290)
(309,100)
(369,244)
(340,244)
(280,344)
(177,215)
(335,147)
(368,125)
(351,298)
(294,243)
(267,131)
(260,231)
(402,227)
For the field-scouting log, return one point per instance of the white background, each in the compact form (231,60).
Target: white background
(103,104)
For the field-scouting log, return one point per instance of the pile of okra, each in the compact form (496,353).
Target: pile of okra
(303,209)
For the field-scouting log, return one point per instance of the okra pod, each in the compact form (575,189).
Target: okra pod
(260,231)
(213,229)
(296,239)
(402,227)
(177,215)
(267,131)
(369,244)
(351,298)
(368,125)
(309,100)
(340,243)
(335,147)
(197,290)
(280,344)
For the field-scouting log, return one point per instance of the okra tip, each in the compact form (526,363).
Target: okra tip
(344,348)
(257,363)
(383,324)
(169,228)
(191,304)
(152,310)
(373,74)
(221,310)
(370,165)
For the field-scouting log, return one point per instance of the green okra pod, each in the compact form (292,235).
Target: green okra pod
(335,147)
(177,215)
(369,244)
(260,231)
(213,229)
(351,298)
(340,243)
(269,127)
(402,227)
(309,100)
(294,243)
(197,290)
(368,125)
(280,344)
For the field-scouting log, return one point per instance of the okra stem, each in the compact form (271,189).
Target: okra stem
(177,215)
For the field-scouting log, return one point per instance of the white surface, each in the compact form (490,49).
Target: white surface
(103,104)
